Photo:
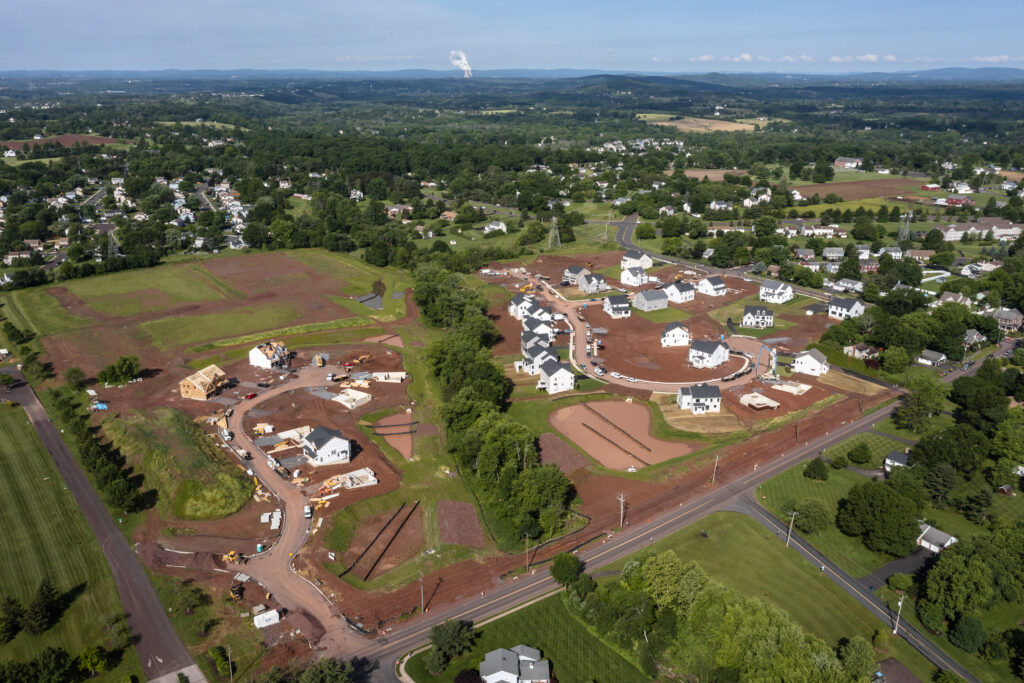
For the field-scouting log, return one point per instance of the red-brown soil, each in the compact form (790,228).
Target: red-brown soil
(397,432)
(554,450)
(63,140)
(382,542)
(862,189)
(554,265)
(459,524)
(616,433)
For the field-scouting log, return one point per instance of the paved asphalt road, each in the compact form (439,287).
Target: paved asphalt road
(159,648)
(737,495)
(95,199)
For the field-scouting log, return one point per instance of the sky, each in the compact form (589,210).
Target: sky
(677,36)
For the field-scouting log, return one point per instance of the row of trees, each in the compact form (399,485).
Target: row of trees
(495,454)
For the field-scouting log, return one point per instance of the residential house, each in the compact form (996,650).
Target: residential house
(667,211)
(449,215)
(804,254)
(680,292)
(847,285)
(699,399)
(1008,319)
(973,337)
(531,342)
(896,459)
(572,274)
(842,309)
(536,357)
(325,446)
(921,255)
(720,205)
(356,195)
(495,226)
(235,242)
(708,354)
(592,283)
(204,384)
(895,253)
(795,194)
(811,362)
(634,258)
(847,163)
(651,300)
(758,317)
(542,327)
(268,355)
(519,304)
(933,539)
(833,253)
(556,377)
(932,358)
(954,298)
(868,266)
(12,256)
(713,285)
(634,277)
(861,351)
(675,334)
(521,664)
(775,292)
(617,306)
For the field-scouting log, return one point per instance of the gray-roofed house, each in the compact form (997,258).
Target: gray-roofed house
(556,377)
(811,362)
(896,459)
(541,327)
(933,358)
(572,274)
(634,258)
(533,359)
(519,304)
(757,316)
(326,446)
(521,664)
(712,286)
(972,337)
(634,277)
(675,334)
(592,283)
(1008,319)
(843,309)
(833,253)
(804,254)
(617,306)
(680,292)
(652,300)
(700,399)
(708,354)
(934,539)
(775,292)
(531,340)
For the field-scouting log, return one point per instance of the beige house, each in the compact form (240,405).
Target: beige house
(203,384)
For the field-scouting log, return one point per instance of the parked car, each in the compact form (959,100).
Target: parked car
(599,371)
(251,394)
(632,379)
(617,375)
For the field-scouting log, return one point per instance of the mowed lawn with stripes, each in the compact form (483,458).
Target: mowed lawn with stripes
(42,533)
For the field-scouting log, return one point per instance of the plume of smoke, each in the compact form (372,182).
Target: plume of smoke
(459,61)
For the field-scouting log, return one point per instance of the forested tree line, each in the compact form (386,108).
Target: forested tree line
(496,455)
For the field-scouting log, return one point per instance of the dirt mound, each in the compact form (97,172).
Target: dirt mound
(459,524)
(156,555)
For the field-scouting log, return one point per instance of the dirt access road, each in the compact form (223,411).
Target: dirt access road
(273,568)
(160,650)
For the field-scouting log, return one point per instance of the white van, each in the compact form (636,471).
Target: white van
(307,512)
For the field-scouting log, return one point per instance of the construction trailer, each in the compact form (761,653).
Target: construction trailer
(203,385)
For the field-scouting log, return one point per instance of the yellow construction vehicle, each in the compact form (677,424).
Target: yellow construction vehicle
(526,288)
(236,591)
(363,358)
(234,557)
(318,360)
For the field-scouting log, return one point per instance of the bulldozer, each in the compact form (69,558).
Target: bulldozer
(318,360)
(237,590)
(234,557)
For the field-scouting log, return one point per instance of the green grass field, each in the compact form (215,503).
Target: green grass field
(791,486)
(746,557)
(42,533)
(357,278)
(18,162)
(575,654)
(189,330)
(879,445)
(734,310)
(128,293)
(665,315)
(39,311)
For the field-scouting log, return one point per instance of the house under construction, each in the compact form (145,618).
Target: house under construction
(204,384)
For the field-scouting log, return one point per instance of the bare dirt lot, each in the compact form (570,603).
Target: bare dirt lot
(716,175)
(553,265)
(863,189)
(397,431)
(382,542)
(459,524)
(554,450)
(63,140)
(693,124)
(616,433)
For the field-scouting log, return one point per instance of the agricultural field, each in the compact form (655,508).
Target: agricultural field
(694,124)
(44,534)
(746,557)
(575,653)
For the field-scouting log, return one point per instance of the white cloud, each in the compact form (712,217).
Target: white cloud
(787,59)
(867,58)
(703,58)
(806,58)
(655,59)
(889,58)
(745,57)
(992,58)
(836,59)
(924,60)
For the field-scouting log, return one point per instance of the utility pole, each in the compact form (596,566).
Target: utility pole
(527,537)
(421,592)
(792,518)
(899,610)
(715,471)
(231,667)
(622,508)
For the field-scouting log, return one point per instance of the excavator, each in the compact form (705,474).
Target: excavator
(237,590)
(235,557)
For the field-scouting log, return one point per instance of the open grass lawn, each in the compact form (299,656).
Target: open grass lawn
(18,162)
(138,291)
(356,278)
(42,533)
(879,445)
(575,654)
(734,310)
(887,426)
(39,311)
(188,330)
(746,557)
(665,315)
(217,623)
(193,476)
(791,486)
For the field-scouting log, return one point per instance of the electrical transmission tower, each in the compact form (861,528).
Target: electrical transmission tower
(904,233)
(554,239)
(112,251)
